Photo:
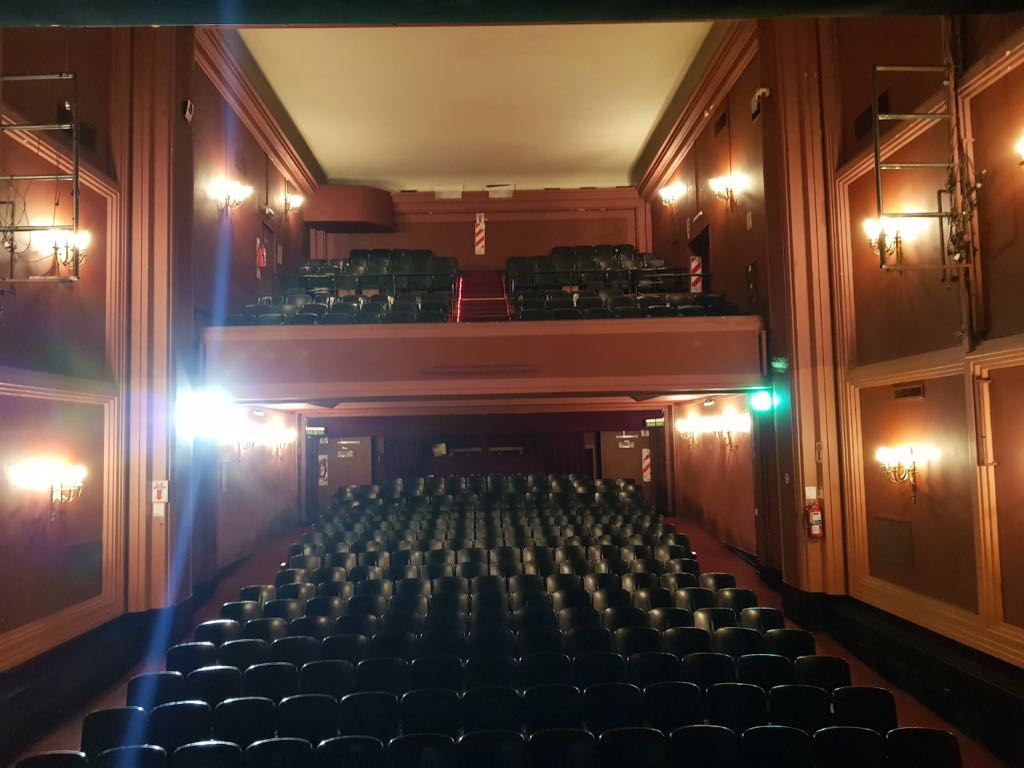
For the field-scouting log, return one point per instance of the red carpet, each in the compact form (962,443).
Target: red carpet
(481,298)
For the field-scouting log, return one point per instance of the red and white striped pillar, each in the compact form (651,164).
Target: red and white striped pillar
(696,274)
(480,235)
(645,465)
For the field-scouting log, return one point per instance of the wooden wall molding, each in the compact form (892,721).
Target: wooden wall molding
(800,127)
(736,51)
(985,630)
(219,61)
(34,638)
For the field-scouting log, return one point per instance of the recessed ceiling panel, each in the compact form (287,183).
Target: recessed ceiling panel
(421,107)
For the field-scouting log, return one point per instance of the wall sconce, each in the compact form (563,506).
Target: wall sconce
(65,243)
(228,193)
(670,195)
(1019,149)
(886,236)
(55,476)
(726,188)
(900,463)
(725,426)
(293,202)
(211,415)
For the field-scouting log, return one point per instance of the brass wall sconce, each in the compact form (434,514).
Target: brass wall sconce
(901,463)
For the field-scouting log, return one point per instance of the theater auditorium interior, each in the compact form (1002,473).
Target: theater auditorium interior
(512,385)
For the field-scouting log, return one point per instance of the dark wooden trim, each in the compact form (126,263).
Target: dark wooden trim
(223,58)
(736,51)
(37,695)
(981,695)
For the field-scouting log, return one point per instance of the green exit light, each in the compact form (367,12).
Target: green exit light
(762,400)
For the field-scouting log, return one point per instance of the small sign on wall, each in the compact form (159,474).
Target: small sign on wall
(159,492)
(322,469)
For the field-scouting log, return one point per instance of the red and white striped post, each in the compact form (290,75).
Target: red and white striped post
(696,274)
(480,235)
(645,464)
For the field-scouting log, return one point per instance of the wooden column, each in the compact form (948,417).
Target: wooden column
(797,181)
(160,66)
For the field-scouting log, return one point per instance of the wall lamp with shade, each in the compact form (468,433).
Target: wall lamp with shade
(1019,149)
(228,193)
(901,463)
(53,475)
(726,188)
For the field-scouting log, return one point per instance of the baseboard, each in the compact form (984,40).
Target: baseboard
(38,695)
(981,695)
(808,609)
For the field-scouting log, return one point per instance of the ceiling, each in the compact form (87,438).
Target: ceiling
(427,107)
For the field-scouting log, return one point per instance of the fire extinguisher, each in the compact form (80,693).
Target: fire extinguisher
(815,520)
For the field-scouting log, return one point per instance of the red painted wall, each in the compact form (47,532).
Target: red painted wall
(529,224)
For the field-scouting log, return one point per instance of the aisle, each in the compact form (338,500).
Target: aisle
(715,556)
(481,298)
(258,568)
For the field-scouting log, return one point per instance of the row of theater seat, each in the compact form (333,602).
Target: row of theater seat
(309,309)
(584,626)
(595,267)
(702,746)
(564,305)
(370,287)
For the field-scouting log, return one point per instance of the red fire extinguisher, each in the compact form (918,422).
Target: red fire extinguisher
(815,520)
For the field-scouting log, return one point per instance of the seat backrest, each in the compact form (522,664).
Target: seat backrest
(776,746)
(709,746)
(116,727)
(914,747)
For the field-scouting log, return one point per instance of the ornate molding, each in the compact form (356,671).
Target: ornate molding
(218,59)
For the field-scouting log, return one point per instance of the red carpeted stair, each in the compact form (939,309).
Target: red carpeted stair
(481,298)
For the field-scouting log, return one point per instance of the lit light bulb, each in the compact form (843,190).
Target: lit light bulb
(228,193)
(293,202)
(673,193)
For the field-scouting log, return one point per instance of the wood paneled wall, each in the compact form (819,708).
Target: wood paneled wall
(714,482)
(946,562)
(63,379)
